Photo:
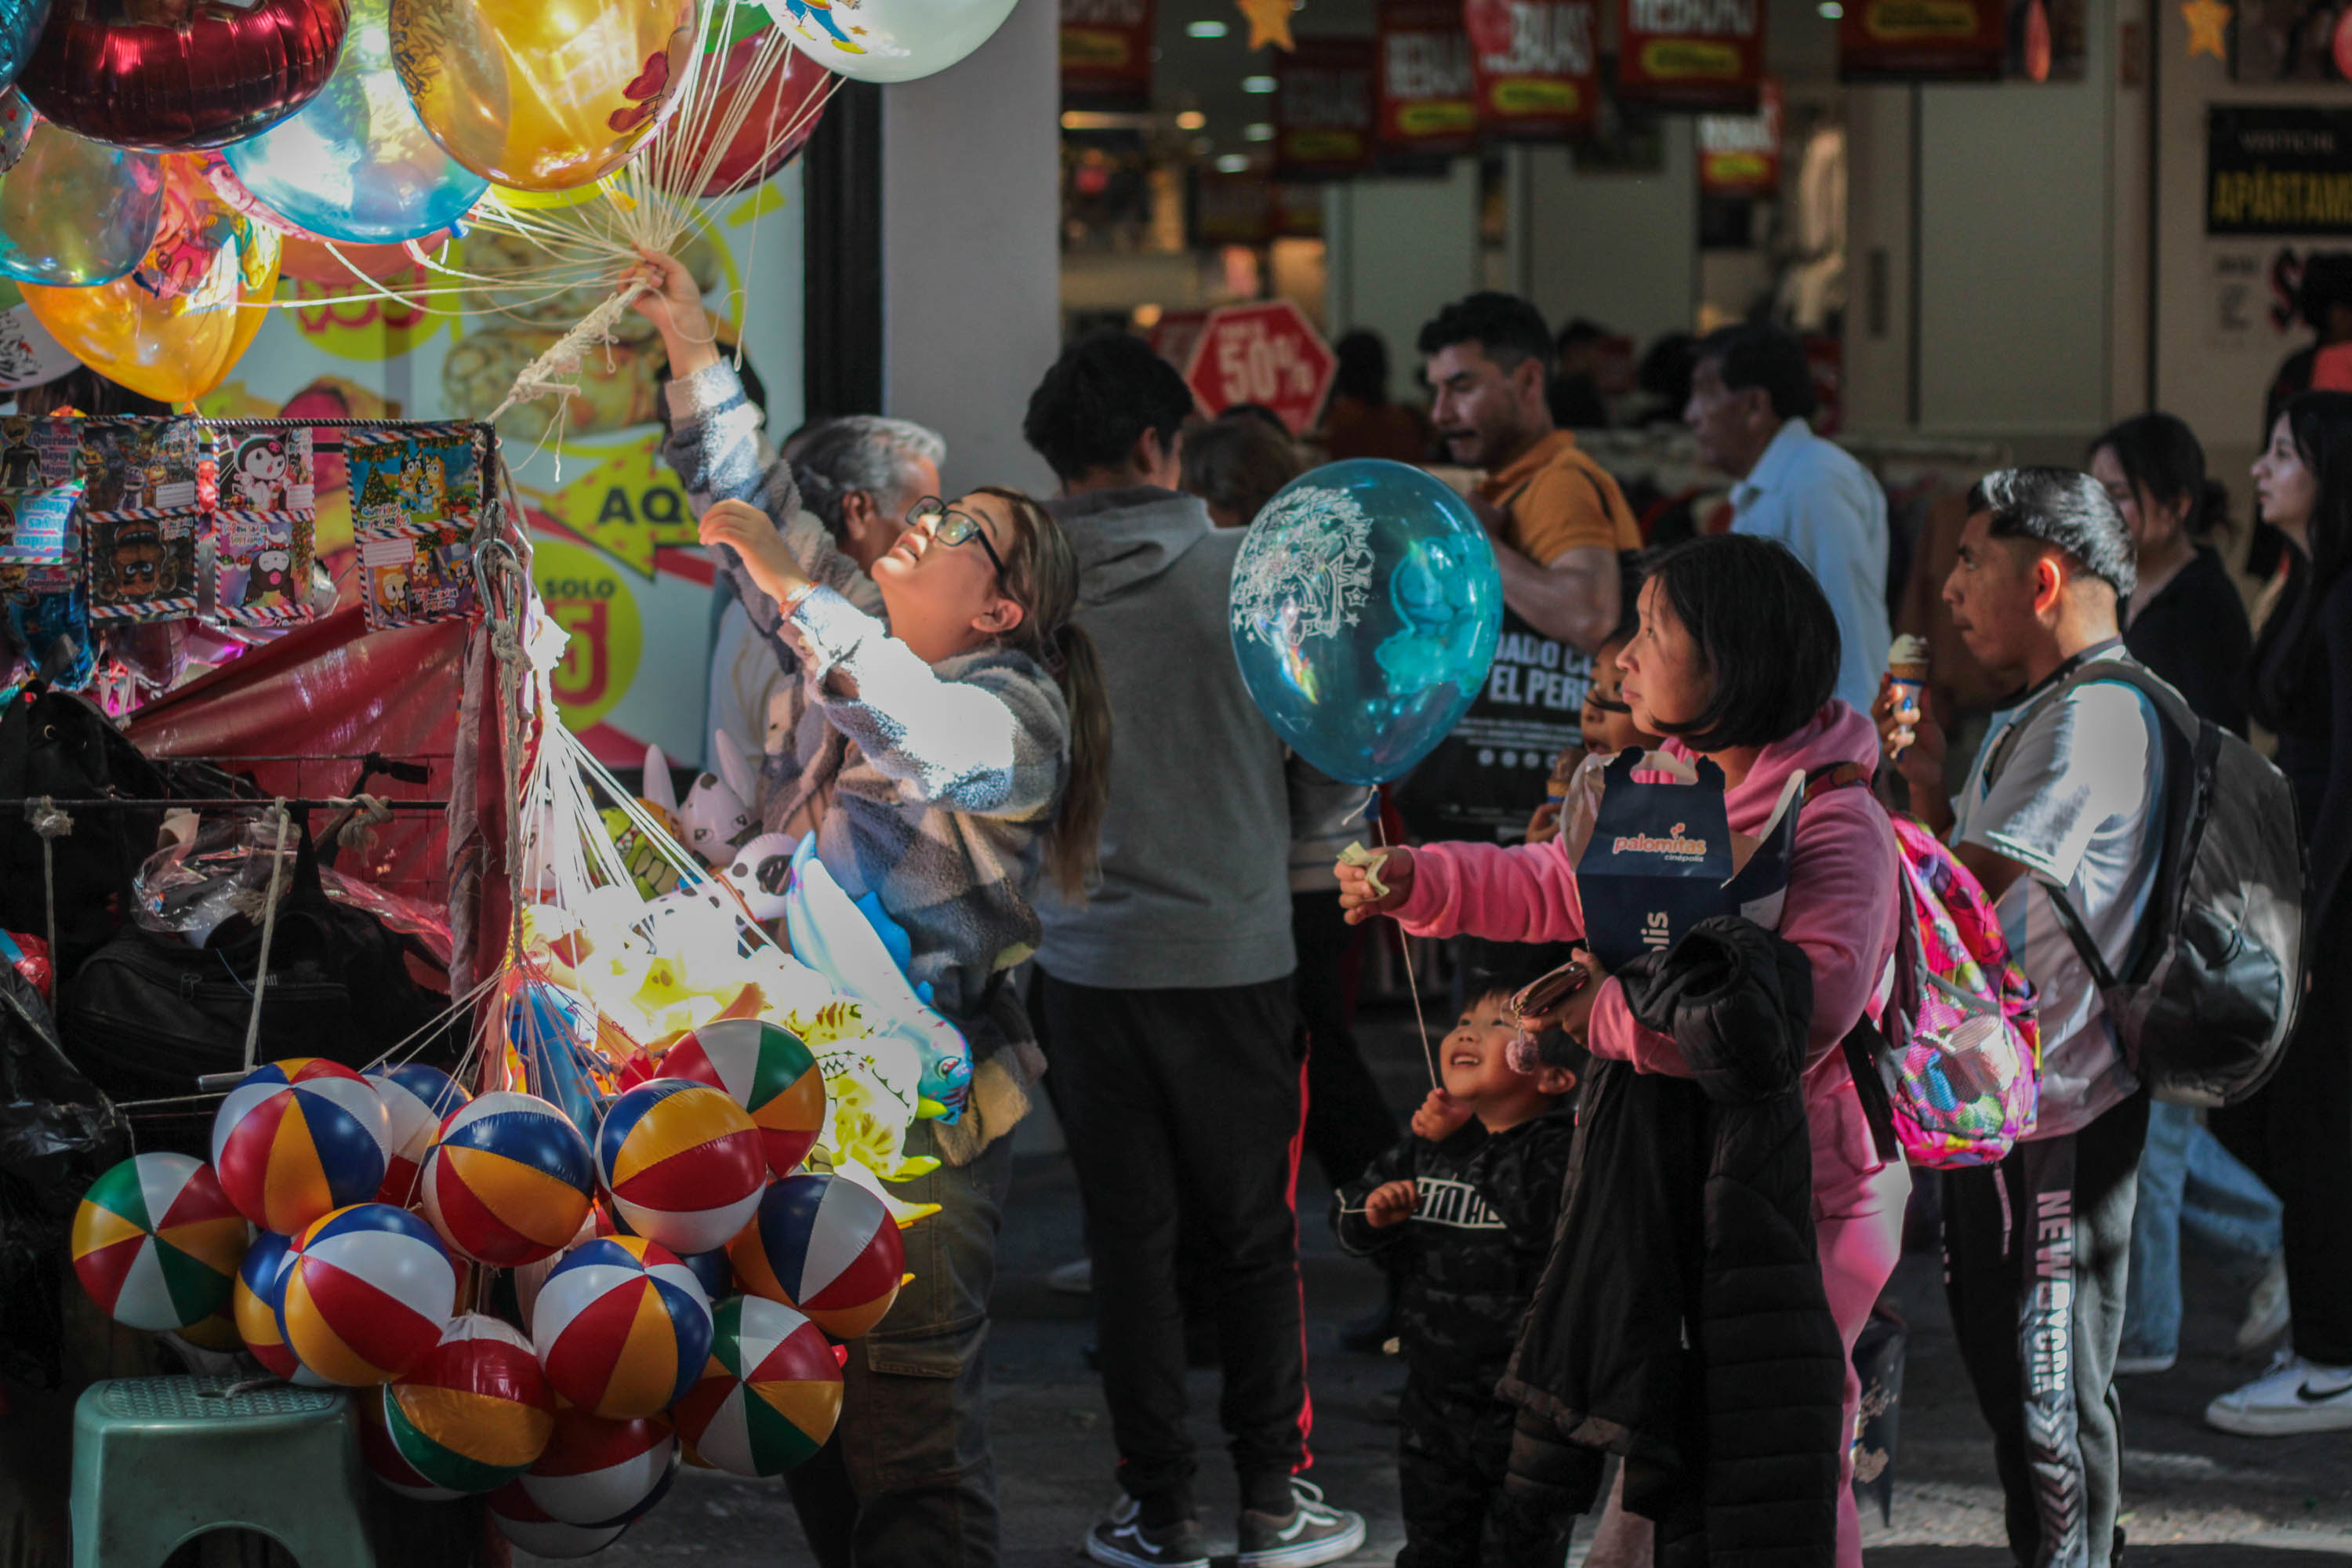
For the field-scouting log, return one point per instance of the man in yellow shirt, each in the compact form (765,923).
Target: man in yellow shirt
(1556,518)
(1558,522)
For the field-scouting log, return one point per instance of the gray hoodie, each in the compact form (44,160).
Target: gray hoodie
(1195,846)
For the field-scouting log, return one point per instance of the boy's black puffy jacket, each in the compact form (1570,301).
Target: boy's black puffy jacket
(1468,1258)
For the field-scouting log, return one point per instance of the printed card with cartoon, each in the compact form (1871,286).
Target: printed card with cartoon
(416,496)
(37,488)
(264,533)
(142,500)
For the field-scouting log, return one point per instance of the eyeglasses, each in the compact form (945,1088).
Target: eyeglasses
(954,528)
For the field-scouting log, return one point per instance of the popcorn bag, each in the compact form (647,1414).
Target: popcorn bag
(1657,855)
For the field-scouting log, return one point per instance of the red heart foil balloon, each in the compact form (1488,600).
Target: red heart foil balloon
(174,75)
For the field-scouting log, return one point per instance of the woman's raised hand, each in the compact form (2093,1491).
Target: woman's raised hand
(674,306)
(748,531)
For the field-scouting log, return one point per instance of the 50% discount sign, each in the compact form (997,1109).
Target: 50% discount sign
(1267,353)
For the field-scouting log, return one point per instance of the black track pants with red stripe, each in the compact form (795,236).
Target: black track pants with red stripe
(1184,1108)
(2037,1251)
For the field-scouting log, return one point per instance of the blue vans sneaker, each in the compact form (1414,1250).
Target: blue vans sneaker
(1312,1532)
(1123,1540)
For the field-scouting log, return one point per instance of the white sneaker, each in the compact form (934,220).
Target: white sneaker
(1072,1279)
(2293,1397)
(2266,1307)
(2141,1366)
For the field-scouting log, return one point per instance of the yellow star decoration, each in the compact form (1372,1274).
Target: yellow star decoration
(1269,23)
(2207,20)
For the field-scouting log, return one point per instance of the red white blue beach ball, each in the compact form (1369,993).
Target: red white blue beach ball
(508,1180)
(525,1524)
(368,1292)
(156,1243)
(258,1304)
(769,1397)
(766,1070)
(417,1099)
(825,1247)
(298,1139)
(682,1162)
(622,1326)
(596,1472)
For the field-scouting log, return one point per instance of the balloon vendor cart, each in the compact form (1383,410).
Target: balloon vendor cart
(363,1034)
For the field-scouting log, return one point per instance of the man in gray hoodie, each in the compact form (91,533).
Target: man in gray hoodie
(1164,1000)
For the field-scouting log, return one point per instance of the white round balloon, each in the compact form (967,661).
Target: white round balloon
(888,40)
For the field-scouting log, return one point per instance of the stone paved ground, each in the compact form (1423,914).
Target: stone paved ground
(2196,1499)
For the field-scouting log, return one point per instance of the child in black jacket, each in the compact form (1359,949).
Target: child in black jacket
(1463,1213)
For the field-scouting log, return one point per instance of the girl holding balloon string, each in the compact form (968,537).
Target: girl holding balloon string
(963,758)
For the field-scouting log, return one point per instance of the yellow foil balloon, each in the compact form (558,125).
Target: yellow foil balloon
(542,95)
(179,322)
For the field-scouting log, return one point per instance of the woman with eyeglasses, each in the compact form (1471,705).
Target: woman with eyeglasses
(963,758)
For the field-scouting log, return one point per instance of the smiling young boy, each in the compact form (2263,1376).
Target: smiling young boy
(1463,1212)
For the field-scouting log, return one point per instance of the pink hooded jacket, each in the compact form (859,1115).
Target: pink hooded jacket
(1841,908)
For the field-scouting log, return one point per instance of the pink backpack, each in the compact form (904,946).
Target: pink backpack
(1961,1051)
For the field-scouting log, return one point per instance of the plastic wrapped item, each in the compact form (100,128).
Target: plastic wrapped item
(29,957)
(410,917)
(190,887)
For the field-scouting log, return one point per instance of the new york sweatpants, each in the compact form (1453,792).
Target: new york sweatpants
(2037,1254)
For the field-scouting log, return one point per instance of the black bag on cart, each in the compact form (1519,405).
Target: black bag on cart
(148,1014)
(60,744)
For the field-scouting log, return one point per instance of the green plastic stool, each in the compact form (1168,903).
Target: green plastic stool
(161,1460)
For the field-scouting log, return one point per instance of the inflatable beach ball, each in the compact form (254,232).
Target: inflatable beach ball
(682,1164)
(510,1180)
(477,1412)
(156,1243)
(769,1072)
(713,1272)
(527,1280)
(771,1394)
(368,1291)
(298,1138)
(525,1524)
(384,1460)
(258,1306)
(417,1099)
(622,1326)
(825,1247)
(594,1472)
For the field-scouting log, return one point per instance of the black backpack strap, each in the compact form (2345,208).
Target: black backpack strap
(1863,1043)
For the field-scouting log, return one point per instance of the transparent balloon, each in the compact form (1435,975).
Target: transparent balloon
(890,40)
(1366,607)
(542,97)
(357,164)
(20,24)
(74,212)
(179,322)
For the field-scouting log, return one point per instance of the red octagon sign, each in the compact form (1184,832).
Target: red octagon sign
(1267,353)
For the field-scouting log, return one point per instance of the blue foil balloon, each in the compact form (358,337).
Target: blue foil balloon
(74,212)
(1366,607)
(20,24)
(356,164)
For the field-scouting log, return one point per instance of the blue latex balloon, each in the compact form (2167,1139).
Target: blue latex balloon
(20,24)
(357,164)
(1366,607)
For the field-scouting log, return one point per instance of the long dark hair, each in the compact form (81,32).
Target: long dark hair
(2289,646)
(1765,630)
(1041,575)
(2161,459)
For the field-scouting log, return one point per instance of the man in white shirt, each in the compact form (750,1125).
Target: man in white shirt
(1751,395)
(2064,800)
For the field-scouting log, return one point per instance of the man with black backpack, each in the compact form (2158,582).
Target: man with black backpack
(2062,816)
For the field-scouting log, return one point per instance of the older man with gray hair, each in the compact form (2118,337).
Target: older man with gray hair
(859,476)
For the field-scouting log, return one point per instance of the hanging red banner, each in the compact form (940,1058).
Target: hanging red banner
(1690,53)
(1911,40)
(1537,64)
(1740,154)
(1107,52)
(1233,209)
(1323,119)
(1428,89)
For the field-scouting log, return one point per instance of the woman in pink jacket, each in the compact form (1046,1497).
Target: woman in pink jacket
(1735,661)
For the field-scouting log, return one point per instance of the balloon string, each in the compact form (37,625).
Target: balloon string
(1404,943)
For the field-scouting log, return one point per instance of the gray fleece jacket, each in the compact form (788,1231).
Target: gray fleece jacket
(1195,847)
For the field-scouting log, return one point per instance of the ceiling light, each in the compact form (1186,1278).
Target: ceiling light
(1234,164)
(1191,120)
(1257,84)
(1261,132)
(1208,28)
(1830,10)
